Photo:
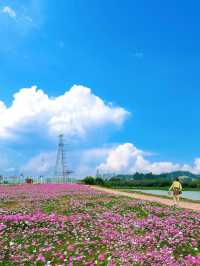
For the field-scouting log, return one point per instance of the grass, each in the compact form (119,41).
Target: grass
(10,204)
(59,206)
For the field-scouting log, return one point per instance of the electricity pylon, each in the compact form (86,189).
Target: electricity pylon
(61,169)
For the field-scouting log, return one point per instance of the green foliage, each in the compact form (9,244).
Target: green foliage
(152,180)
(99,181)
(145,180)
(89,180)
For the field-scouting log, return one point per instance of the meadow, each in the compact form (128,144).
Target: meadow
(71,224)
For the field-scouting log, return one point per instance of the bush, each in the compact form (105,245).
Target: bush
(89,180)
(99,181)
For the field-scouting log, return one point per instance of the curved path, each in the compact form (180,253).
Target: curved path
(183,204)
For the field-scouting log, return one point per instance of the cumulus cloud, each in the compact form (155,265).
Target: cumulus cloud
(2,107)
(145,166)
(126,158)
(9,11)
(40,164)
(195,168)
(120,159)
(84,162)
(73,113)
(89,159)
(81,162)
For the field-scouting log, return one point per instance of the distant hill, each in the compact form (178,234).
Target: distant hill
(166,176)
(182,173)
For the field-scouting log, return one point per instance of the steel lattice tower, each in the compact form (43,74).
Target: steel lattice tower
(61,168)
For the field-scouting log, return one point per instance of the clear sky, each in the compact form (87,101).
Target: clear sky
(141,56)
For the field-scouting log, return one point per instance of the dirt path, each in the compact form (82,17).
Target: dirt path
(169,202)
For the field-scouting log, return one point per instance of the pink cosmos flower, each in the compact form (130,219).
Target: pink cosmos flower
(101,257)
(41,258)
(70,248)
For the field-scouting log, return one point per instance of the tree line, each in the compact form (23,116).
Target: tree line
(188,180)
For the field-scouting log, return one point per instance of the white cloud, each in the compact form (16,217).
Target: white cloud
(120,159)
(75,112)
(40,164)
(126,158)
(2,107)
(89,159)
(82,162)
(195,168)
(16,23)
(143,165)
(95,153)
(9,11)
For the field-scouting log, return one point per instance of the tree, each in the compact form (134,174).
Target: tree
(89,180)
(99,181)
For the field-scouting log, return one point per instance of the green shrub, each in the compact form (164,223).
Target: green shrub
(89,180)
(99,181)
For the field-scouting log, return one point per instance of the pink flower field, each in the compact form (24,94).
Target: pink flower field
(62,224)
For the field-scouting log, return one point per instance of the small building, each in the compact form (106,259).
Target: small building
(29,180)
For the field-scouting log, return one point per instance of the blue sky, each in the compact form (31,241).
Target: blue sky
(142,56)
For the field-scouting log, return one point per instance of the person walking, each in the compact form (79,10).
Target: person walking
(176,189)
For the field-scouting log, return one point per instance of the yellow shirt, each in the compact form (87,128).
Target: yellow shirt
(176,184)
